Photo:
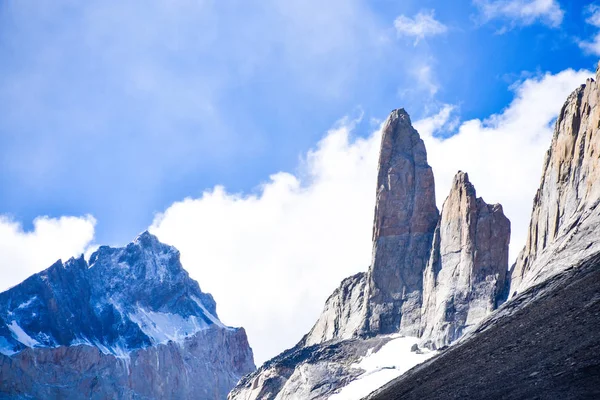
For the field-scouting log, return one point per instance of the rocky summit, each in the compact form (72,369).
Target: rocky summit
(129,324)
(405,220)
(565,217)
(431,279)
(465,277)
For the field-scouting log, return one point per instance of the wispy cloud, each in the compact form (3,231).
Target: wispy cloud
(420,26)
(592,46)
(521,12)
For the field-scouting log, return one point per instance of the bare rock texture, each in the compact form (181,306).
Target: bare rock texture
(204,366)
(388,298)
(467,268)
(343,314)
(565,216)
(405,219)
(542,344)
(307,372)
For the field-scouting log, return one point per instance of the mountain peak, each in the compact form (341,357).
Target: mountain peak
(467,267)
(565,208)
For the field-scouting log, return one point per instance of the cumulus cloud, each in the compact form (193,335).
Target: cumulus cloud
(23,253)
(522,12)
(503,154)
(271,258)
(420,26)
(592,46)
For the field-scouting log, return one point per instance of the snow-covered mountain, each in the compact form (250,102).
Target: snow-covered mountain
(134,320)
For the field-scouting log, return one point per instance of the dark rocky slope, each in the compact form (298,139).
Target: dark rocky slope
(544,344)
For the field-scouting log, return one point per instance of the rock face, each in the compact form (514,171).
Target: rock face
(343,314)
(541,344)
(565,216)
(307,372)
(129,324)
(388,298)
(405,220)
(467,268)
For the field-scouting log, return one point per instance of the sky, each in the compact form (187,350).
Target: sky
(246,132)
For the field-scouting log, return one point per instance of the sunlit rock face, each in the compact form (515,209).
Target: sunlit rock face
(565,216)
(466,274)
(463,258)
(130,323)
(405,220)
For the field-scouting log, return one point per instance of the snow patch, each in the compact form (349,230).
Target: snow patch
(164,327)
(211,317)
(391,361)
(21,336)
(27,303)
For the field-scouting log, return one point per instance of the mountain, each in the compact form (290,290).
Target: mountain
(465,277)
(432,278)
(131,323)
(543,342)
(565,216)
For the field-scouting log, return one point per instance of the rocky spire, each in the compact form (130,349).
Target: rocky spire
(565,207)
(467,267)
(405,219)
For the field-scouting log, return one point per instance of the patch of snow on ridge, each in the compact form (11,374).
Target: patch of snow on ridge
(21,336)
(27,303)
(164,327)
(391,361)
(212,318)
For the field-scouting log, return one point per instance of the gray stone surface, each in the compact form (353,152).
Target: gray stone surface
(542,344)
(203,366)
(307,372)
(405,219)
(466,272)
(343,314)
(565,216)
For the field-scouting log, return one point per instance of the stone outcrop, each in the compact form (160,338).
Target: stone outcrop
(565,216)
(387,299)
(131,323)
(308,372)
(203,366)
(405,219)
(343,314)
(542,344)
(467,268)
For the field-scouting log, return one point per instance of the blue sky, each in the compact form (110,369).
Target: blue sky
(117,110)
(246,132)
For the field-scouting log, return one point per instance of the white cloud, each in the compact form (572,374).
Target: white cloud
(593,46)
(504,153)
(522,12)
(271,258)
(25,253)
(422,25)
